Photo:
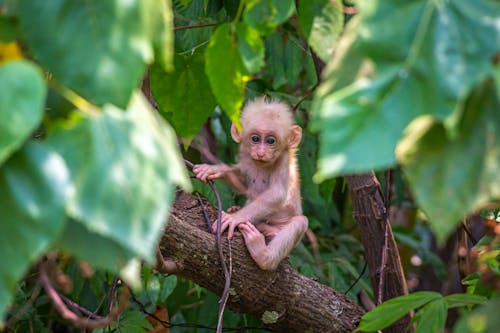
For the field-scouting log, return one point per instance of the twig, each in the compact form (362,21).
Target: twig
(227,274)
(307,94)
(67,314)
(383,264)
(205,214)
(186,27)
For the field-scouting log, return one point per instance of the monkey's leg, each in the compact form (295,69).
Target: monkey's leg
(269,256)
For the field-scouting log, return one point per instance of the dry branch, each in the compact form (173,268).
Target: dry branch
(298,303)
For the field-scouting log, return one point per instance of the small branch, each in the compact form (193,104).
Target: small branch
(67,314)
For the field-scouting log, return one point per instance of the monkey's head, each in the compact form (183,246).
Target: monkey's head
(267,130)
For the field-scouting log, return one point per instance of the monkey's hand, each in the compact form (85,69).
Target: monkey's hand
(206,172)
(229,222)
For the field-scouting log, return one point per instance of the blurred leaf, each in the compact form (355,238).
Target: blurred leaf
(458,300)
(124,166)
(34,185)
(174,94)
(168,284)
(22,94)
(484,319)
(465,168)
(266,15)
(390,311)
(251,47)
(406,76)
(100,49)
(226,72)
(9,29)
(321,22)
(432,317)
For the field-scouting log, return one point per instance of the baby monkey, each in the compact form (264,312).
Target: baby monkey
(271,221)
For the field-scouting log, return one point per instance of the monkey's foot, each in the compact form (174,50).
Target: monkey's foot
(256,245)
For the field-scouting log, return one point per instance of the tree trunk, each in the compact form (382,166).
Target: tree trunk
(370,213)
(285,300)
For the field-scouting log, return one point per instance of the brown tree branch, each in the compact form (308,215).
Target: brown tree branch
(284,299)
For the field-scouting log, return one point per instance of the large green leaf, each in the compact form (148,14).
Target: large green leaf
(432,317)
(458,300)
(34,185)
(393,309)
(275,59)
(266,15)
(174,94)
(427,67)
(226,71)
(321,22)
(124,166)
(98,48)
(452,177)
(22,94)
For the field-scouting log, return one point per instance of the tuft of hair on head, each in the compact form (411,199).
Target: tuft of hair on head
(264,109)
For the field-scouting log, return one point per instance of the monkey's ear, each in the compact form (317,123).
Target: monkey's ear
(235,133)
(295,136)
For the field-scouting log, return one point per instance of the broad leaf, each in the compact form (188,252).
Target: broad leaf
(422,69)
(124,166)
(321,22)
(22,94)
(293,61)
(393,309)
(266,15)
(98,48)
(432,317)
(174,94)
(452,177)
(275,59)
(251,47)
(34,185)
(226,71)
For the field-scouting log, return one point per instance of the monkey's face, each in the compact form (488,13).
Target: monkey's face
(264,146)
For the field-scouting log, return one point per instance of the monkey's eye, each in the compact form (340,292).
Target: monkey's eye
(270,140)
(255,138)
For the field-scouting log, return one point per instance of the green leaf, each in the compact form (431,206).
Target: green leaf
(393,309)
(174,94)
(76,238)
(100,49)
(266,15)
(459,300)
(251,47)
(226,71)
(465,168)
(133,321)
(34,185)
(124,166)
(168,284)
(22,94)
(432,317)
(293,61)
(422,69)
(9,29)
(484,319)
(275,59)
(321,22)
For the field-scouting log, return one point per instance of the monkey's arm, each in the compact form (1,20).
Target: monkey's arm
(231,174)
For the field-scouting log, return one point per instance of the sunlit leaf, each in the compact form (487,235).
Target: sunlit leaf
(100,49)
(427,67)
(226,72)
(251,47)
(34,185)
(174,94)
(124,166)
(22,94)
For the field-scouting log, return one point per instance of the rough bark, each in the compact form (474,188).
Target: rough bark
(370,214)
(298,303)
